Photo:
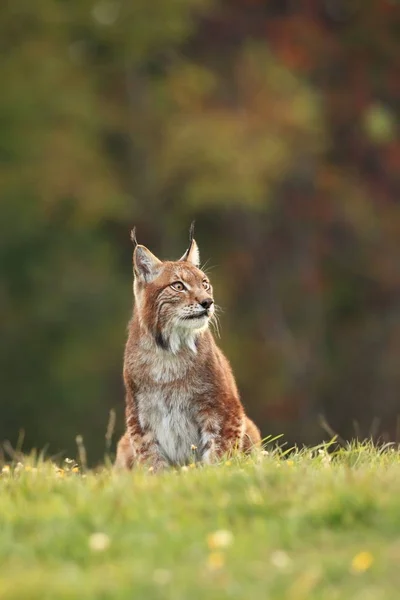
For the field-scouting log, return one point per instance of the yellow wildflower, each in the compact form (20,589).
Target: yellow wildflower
(75,469)
(290,463)
(228,463)
(215,561)
(362,562)
(222,538)
(6,469)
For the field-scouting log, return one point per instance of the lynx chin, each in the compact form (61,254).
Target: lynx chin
(182,402)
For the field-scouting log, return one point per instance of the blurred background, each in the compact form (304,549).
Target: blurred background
(272,123)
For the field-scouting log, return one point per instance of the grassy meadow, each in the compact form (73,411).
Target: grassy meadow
(309,525)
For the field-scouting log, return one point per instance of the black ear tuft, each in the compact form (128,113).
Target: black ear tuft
(191,231)
(133,237)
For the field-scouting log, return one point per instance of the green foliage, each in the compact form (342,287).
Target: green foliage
(306,526)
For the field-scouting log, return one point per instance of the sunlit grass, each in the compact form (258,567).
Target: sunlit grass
(318,524)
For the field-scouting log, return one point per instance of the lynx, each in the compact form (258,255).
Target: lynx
(182,403)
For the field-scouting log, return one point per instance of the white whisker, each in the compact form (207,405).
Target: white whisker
(215,323)
(203,266)
(210,268)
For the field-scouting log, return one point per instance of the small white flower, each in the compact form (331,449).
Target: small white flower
(280,559)
(162,576)
(98,542)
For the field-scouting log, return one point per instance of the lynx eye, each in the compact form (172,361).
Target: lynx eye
(178,286)
(206,285)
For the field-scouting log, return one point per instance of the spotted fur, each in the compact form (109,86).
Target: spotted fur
(182,402)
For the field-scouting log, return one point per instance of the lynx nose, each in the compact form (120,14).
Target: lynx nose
(206,303)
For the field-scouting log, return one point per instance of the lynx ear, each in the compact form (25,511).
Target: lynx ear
(192,254)
(145,264)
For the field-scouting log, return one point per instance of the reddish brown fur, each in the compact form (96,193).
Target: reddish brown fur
(180,389)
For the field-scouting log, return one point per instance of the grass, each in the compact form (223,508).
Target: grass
(313,526)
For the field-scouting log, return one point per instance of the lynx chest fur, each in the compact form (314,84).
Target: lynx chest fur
(172,418)
(167,404)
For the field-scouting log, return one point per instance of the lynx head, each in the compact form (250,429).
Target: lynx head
(173,299)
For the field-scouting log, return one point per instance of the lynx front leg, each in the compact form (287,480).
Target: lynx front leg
(220,434)
(144,446)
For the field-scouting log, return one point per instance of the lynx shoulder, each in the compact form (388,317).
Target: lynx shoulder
(182,403)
